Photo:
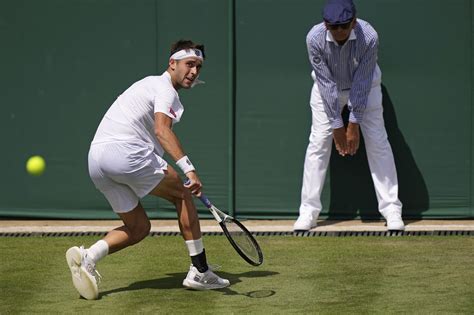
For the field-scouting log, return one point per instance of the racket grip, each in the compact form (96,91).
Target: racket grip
(205,201)
(202,197)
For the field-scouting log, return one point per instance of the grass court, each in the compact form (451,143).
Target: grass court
(307,275)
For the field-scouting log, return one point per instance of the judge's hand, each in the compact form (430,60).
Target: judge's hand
(352,138)
(340,140)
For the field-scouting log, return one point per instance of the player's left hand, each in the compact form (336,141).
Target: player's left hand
(353,138)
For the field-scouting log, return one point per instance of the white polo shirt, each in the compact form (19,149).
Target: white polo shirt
(131,117)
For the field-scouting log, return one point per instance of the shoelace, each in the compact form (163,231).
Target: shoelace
(90,267)
(211,280)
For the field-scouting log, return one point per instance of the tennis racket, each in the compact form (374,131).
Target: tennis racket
(237,234)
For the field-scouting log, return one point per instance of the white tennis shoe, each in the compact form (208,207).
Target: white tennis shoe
(305,222)
(84,276)
(394,220)
(204,280)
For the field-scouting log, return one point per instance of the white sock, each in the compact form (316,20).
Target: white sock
(98,251)
(195,247)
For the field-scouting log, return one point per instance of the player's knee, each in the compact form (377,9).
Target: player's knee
(175,190)
(140,231)
(180,192)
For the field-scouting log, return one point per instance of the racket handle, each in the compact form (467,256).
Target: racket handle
(202,197)
(205,201)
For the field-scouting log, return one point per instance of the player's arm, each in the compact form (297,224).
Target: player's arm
(168,139)
(328,90)
(171,144)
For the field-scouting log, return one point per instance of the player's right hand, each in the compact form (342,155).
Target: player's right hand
(193,183)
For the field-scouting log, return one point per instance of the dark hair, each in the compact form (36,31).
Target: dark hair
(186,44)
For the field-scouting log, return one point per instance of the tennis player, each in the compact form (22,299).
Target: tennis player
(126,164)
(343,55)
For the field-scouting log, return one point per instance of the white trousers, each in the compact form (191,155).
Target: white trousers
(379,154)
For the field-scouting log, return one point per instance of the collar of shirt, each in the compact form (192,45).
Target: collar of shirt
(167,75)
(329,37)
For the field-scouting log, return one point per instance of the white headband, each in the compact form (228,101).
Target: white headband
(186,53)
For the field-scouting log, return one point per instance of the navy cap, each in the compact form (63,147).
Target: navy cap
(339,11)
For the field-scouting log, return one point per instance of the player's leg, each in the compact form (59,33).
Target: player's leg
(199,276)
(172,189)
(316,163)
(82,262)
(381,161)
(107,165)
(136,226)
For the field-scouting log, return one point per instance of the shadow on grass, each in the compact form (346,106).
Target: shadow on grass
(175,281)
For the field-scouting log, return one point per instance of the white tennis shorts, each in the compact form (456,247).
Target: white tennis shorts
(125,172)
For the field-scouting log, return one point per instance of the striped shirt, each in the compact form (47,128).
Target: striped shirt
(348,67)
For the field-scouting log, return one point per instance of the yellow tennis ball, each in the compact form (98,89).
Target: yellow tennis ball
(35,165)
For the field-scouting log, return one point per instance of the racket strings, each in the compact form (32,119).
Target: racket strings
(242,240)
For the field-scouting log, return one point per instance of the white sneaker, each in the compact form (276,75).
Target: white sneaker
(204,280)
(84,276)
(394,221)
(305,222)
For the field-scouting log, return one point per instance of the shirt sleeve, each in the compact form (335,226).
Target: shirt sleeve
(164,102)
(326,84)
(362,82)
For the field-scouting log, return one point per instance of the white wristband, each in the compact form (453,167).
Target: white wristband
(185,164)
